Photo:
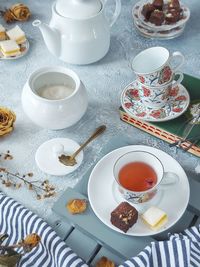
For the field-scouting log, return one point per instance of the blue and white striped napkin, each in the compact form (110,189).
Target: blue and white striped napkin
(18,222)
(181,250)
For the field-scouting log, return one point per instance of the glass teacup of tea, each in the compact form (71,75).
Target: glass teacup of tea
(140,174)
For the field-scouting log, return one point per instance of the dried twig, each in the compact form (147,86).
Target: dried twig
(42,189)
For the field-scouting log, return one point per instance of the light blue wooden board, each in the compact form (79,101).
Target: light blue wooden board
(113,242)
(181,225)
(194,203)
(106,253)
(123,245)
(62,227)
(81,244)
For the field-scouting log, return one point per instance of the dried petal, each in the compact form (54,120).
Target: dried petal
(18,185)
(105,262)
(30,241)
(39,197)
(76,206)
(30,187)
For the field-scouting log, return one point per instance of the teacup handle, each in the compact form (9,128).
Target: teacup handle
(182,59)
(180,78)
(169,178)
(116,12)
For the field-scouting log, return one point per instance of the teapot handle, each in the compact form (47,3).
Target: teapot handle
(116,12)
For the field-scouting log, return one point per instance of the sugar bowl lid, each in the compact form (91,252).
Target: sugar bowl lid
(46,156)
(78,9)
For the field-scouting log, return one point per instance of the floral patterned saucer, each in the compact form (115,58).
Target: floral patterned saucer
(177,105)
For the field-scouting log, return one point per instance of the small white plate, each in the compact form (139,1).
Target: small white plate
(24,46)
(46,156)
(154,32)
(104,196)
(133,105)
(164,27)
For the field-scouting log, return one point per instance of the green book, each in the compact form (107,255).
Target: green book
(172,130)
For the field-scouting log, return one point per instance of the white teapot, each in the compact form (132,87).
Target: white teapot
(79,32)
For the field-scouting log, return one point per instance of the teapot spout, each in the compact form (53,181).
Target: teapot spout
(51,37)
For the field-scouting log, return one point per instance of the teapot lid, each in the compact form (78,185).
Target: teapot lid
(78,9)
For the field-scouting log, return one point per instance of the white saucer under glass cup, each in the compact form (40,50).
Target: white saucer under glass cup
(163,179)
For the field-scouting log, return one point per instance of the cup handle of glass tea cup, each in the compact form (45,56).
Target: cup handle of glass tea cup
(179,55)
(180,78)
(169,178)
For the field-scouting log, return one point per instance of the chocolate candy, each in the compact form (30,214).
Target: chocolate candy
(124,216)
(157,17)
(147,10)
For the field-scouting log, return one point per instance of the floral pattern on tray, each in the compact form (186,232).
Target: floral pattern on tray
(177,105)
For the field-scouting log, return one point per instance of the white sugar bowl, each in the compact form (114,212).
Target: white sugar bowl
(54,98)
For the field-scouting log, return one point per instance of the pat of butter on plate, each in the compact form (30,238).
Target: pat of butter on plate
(155,218)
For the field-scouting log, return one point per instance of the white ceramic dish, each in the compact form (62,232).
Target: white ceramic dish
(79,31)
(133,105)
(54,114)
(47,154)
(153,32)
(164,27)
(24,47)
(104,196)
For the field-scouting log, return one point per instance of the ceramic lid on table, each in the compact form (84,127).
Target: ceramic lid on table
(78,9)
(47,154)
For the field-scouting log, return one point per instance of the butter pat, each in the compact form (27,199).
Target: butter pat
(155,218)
(10,48)
(17,35)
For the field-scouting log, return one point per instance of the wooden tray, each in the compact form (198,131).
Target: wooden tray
(91,239)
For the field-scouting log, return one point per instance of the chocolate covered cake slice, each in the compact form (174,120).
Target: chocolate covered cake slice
(174,4)
(158,4)
(172,16)
(157,17)
(147,10)
(124,216)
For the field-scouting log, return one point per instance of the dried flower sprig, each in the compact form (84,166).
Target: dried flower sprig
(42,189)
(6,156)
(9,257)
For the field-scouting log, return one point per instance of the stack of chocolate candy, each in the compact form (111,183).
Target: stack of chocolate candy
(158,12)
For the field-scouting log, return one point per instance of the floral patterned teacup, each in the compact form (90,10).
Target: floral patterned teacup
(157,97)
(153,66)
(163,178)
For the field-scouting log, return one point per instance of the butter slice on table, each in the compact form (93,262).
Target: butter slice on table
(16,34)
(155,218)
(9,48)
